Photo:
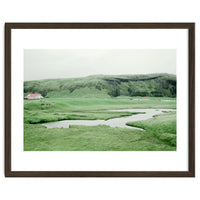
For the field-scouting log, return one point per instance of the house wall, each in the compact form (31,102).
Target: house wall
(40,97)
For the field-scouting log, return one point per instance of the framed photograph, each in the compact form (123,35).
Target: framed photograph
(99,99)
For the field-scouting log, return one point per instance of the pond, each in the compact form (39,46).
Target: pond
(114,122)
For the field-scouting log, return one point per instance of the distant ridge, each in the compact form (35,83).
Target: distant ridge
(155,85)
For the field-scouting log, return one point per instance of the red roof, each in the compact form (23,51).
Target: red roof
(34,95)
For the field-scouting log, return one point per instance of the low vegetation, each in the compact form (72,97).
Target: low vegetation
(97,138)
(159,134)
(162,127)
(92,98)
(55,109)
(102,86)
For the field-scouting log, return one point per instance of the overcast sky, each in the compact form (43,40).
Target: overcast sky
(51,64)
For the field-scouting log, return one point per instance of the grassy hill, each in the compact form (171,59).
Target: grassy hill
(104,86)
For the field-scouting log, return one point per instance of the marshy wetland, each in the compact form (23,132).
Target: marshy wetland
(159,126)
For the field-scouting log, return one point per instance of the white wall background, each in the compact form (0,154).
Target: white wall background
(99,11)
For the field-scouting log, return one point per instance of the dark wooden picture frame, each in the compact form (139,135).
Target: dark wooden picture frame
(191,99)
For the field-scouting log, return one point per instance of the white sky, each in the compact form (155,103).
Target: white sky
(52,63)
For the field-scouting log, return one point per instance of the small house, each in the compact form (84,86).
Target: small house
(34,96)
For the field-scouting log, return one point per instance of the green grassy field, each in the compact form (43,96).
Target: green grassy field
(159,134)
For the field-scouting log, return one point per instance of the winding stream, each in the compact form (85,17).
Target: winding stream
(115,122)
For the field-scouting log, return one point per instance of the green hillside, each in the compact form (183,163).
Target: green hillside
(151,85)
